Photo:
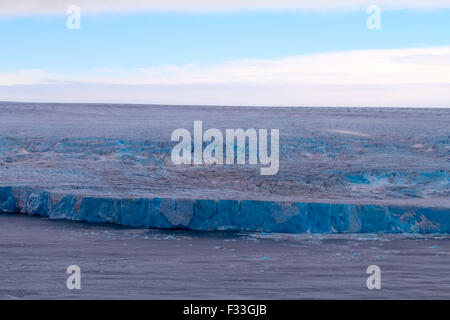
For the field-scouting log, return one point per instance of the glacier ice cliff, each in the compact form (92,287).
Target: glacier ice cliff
(232,215)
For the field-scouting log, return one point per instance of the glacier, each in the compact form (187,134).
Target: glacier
(341,169)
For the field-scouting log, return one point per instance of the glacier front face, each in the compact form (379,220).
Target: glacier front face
(341,170)
(232,215)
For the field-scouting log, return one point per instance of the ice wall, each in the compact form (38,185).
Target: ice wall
(213,215)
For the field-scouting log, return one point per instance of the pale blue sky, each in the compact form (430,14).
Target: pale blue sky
(148,39)
(307,57)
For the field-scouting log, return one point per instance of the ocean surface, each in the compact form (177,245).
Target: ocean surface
(127,263)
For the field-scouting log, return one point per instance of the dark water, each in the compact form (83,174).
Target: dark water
(119,263)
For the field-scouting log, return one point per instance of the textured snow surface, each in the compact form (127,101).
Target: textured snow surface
(341,170)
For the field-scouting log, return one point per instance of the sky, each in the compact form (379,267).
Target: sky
(248,52)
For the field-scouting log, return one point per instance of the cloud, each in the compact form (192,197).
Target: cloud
(364,67)
(26,7)
(232,95)
(367,67)
(400,77)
